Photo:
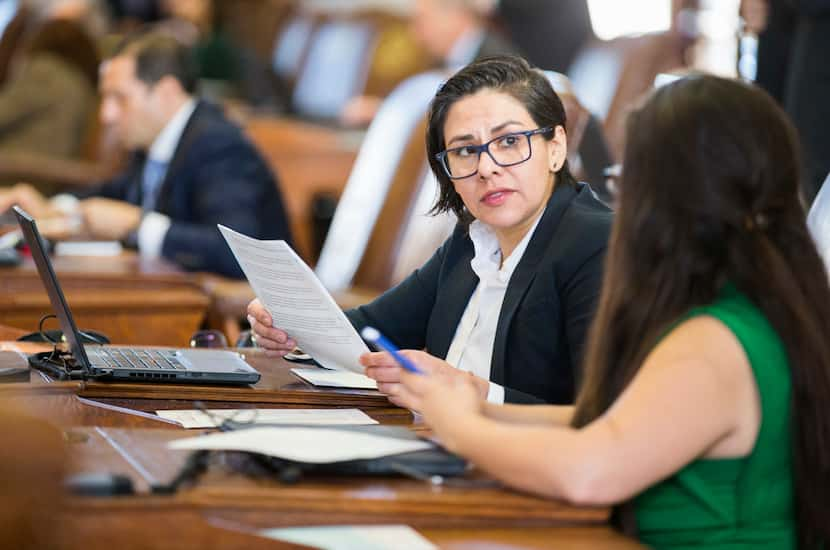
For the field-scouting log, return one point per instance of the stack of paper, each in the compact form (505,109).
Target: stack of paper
(335,379)
(314,445)
(213,417)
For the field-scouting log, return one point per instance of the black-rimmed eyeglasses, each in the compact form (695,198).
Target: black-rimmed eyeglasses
(507,150)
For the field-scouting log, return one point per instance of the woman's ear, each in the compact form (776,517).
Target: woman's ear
(557,149)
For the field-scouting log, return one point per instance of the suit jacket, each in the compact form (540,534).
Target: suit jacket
(550,32)
(548,306)
(215,176)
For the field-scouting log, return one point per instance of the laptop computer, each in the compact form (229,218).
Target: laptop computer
(99,362)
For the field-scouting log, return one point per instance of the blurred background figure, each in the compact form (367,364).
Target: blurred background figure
(793,42)
(50,99)
(549,32)
(190,168)
(453,32)
(227,69)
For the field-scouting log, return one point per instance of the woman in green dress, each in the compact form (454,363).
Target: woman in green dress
(704,414)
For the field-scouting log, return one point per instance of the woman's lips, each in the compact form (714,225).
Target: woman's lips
(497,197)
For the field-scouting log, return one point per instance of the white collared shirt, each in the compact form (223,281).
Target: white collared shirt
(472,346)
(464,50)
(154,225)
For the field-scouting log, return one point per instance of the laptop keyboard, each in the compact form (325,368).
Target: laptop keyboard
(133,358)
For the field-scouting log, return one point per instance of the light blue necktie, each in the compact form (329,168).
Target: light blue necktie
(151,179)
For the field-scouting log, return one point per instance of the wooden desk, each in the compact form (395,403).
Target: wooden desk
(224,507)
(132,301)
(277,386)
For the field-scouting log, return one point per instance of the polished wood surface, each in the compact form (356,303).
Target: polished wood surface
(224,508)
(142,454)
(130,300)
(276,386)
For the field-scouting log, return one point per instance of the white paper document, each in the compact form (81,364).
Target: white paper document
(297,301)
(335,379)
(213,417)
(88,248)
(353,537)
(315,445)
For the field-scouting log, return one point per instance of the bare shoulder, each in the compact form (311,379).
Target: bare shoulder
(706,345)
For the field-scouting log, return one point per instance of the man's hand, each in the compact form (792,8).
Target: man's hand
(28,198)
(110,219)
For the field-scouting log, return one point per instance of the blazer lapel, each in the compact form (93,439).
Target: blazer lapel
(525,272)
(163,203)
(455,290)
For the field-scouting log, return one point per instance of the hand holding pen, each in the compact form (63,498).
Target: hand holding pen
(374,337)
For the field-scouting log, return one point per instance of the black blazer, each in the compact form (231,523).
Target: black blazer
(215,176)
(548,306)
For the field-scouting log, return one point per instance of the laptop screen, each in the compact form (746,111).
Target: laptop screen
(50,281)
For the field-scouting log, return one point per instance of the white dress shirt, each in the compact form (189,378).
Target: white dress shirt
(154,226)
(472,346)
(818,221)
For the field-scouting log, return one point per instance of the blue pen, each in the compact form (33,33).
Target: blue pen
(373,336)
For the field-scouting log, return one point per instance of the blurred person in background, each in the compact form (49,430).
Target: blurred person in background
(48,104)
(190,169)
(793,42)
(549,32)
(226,69)
(454,32)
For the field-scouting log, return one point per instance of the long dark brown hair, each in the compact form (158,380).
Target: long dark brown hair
(709,195)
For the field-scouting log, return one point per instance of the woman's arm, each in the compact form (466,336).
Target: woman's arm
(687,401)
(547,415)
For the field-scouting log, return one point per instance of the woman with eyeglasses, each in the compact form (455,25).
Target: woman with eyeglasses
(704,408)
(508,298)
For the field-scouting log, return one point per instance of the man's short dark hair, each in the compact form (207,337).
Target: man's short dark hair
(158,55)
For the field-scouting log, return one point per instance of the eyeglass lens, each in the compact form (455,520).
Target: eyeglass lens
(505,151)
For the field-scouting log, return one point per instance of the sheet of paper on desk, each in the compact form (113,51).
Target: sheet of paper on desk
(88,248)
(335,379)
(212,417)
(352,537)
(315,445)
(297,301)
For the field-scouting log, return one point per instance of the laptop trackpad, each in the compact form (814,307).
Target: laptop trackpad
(212,360)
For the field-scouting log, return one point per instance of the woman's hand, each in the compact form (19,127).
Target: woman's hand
(447,403)
(275,341)
(381,367)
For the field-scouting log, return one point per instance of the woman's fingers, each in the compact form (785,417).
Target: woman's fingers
(384,374)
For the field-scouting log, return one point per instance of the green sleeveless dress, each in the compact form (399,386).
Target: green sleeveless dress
(741,503)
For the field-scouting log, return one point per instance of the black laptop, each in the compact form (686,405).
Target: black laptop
(187,365)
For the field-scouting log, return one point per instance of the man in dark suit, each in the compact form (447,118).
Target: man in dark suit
(191,168)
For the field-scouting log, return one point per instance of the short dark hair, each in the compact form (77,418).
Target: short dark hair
(158,55)
(506,73)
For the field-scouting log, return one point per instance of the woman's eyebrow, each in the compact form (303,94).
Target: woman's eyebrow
(493,130)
